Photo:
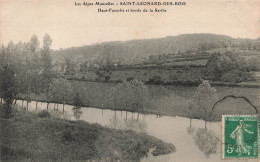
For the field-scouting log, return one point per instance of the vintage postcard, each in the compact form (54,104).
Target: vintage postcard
(129,80)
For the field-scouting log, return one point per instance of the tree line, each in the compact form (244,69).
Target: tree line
(25,68)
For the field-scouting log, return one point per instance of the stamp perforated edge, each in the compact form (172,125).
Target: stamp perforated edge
(223,137)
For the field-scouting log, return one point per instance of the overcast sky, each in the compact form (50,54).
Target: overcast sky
(69,25)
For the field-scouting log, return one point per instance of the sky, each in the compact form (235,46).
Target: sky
(71,26)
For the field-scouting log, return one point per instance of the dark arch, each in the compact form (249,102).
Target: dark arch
(232,96)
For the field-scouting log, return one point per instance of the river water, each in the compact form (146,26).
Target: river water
(191,143)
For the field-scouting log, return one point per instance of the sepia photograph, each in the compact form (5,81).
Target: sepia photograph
(129,81)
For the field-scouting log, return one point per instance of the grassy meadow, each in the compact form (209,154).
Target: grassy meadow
(31,137)
(144,75)
(164,100)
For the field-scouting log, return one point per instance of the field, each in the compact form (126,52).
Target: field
(166,100)
(145,75)
(27,137)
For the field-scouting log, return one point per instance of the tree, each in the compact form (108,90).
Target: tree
(130,95)
(77,106)
(70,67)
(236,76)
(34,63)
(190,106)
(60,90)
(203,101)
(219,64)
(34,44)
(253,64)
(8,87)
(46,62)
(140,96)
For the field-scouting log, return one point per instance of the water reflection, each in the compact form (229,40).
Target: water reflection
(77,112)
(138,125)
(191,130)
(60,115)
(169,129)
(204,139)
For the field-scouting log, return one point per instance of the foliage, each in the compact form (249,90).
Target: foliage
(77,100)
(155,80)
(7,87)
(130,95)
(129,124)
(77,112)
(206,141)
(221,65)
(62,140)
(236,76)
(203,100)
(254,64)
(68,136)
(77,106)
(70,67)
(32,64)
(107,78)
(46,62)
(44,114)
(165,47)
(60,90)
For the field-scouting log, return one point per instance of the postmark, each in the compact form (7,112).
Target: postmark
(239,136)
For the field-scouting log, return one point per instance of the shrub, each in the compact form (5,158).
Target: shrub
(119,81)
(107,78)
(5,111)
(130,79)
(68,136)
(155,80)
(44,114)
(163,148)
(236,76)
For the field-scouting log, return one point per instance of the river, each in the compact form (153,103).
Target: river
(191,143)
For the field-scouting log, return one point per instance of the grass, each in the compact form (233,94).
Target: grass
(140,74)
(168,100)
(26,137)
(165,100)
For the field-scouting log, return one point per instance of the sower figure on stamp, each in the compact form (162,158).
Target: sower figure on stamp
(238,134)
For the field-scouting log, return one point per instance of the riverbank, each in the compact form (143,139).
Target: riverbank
(26,137)
(165,100)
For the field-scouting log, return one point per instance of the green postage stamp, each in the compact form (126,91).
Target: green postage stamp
(239,136)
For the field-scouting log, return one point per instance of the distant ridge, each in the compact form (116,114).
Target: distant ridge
(126,51)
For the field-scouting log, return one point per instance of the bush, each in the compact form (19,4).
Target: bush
(163,148)
(155,80)
(107,78)
(236,76)
(5,111)
(130,79)
(68,136)
(119,81)
(83,78)
(44,114)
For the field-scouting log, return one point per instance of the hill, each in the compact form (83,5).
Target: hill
(131,51)
(136,51)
